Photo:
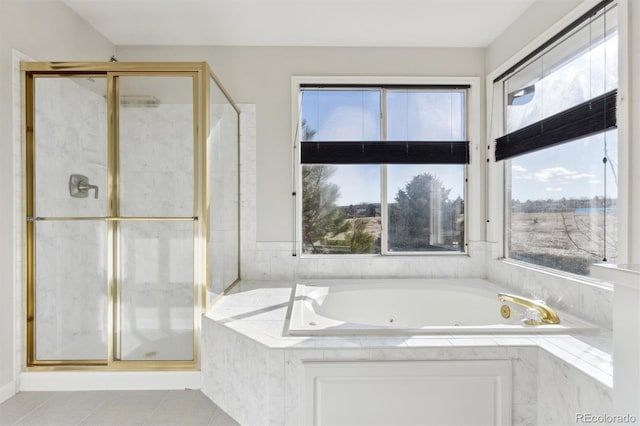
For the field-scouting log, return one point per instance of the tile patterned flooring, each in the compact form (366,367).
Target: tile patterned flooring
(117,408)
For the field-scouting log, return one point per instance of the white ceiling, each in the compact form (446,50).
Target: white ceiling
(433,23)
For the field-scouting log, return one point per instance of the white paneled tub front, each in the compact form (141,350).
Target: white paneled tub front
(411,307)
(428,393)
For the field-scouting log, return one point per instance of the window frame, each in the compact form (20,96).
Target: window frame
(499,175)
(472,170)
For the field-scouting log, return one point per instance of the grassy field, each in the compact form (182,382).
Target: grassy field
(569,241)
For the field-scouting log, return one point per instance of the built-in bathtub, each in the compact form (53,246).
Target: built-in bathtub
(410,307)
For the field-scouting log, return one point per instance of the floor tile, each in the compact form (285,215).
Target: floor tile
(181,417)
(107,417)
(46,417)
(117,408)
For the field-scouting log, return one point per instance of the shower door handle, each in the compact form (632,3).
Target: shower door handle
(79,187)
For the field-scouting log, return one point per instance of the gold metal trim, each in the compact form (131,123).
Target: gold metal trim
(222,89)
(113,173)
(548,315)
(198,183)
(239,151)
(139,68)
(30,211)
(83,365)
(206,191)
(113,219)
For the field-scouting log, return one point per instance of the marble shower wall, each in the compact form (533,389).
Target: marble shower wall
(156,290)
(157,180)
(156,160)
(71,138)
(156,163)
(224,187)
(71,284)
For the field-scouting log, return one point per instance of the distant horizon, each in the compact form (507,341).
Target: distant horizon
(585,198)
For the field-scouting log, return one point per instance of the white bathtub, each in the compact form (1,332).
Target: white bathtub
(410,306)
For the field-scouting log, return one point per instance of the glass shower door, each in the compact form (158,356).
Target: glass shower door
(67,217)
(156,295)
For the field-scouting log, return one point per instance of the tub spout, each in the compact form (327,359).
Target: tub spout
(547,315)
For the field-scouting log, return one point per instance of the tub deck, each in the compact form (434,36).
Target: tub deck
(253,369)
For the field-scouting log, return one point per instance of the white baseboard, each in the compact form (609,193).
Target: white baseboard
(7,391)
(109,380)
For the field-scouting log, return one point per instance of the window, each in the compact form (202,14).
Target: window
(383,169)
(560,148)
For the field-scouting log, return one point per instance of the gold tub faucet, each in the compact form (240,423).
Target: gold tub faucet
(547,315)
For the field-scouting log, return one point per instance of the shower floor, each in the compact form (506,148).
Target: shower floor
(137,345)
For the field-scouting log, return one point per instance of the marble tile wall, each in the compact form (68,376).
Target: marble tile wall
(71,290)
(156,290)
(71,285)
(590,300)
(156,180)
(564,392)
(260,385)
(70,138)
(252,319)
(156,160)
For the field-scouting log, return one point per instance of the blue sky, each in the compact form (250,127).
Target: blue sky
(574,169)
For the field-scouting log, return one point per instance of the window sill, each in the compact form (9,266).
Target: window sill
(578,279)
(385,255)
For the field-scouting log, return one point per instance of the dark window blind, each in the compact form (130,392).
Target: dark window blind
(384,152)
(588,118)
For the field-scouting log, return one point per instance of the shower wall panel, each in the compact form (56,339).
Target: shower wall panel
(156,160)
(71,138)
(71,290)
(224,189)
(157,290)
(156,273)
(71,270)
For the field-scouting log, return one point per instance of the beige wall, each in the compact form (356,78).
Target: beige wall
(262,76)
(630,111)
(43,30)
(538,18)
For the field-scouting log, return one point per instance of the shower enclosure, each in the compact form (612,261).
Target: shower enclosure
(131,208)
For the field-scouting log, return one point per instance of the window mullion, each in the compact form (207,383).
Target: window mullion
(384,217)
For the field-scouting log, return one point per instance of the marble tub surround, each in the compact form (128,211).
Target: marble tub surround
(584,297)
(626,342)
(254,371)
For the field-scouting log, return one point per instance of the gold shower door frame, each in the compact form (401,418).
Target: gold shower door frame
(200,74)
